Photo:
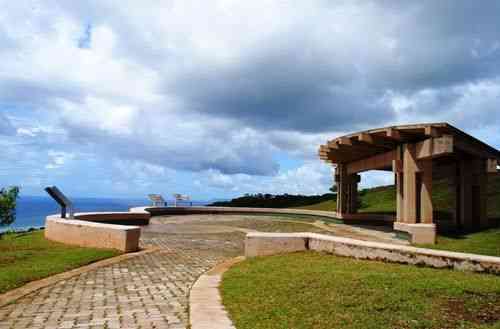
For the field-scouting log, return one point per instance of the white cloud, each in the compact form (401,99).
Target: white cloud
(58,159)
(219,89)
(313,177)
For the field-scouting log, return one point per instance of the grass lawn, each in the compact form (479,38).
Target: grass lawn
(484,243)
(329,205)
(314,290)
(29,256)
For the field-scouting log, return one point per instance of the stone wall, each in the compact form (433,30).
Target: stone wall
(262,244)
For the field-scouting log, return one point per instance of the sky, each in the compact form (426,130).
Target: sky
(219,98)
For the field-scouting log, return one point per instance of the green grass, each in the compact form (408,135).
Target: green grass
(29,256)
(483,243)
(313,290)
(329,205)
(383,199)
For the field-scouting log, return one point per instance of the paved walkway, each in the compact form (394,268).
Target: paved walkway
(147,291)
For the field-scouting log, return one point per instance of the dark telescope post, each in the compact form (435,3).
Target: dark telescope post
(62,200)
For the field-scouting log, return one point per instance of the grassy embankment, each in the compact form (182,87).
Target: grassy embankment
(383,199)
(314,290)
(29,256)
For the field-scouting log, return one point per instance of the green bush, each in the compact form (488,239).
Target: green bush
(8,197)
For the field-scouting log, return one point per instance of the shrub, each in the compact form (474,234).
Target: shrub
(8,197)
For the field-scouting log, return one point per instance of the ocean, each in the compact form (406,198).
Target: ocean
(32,210)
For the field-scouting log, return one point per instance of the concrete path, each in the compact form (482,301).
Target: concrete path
(147,291)
(205,303)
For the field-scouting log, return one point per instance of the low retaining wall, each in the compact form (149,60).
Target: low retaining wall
(262,244)
(85,233)
(124,218)
(361,218)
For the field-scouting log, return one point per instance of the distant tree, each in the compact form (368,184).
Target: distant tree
(8,197)
(333,189)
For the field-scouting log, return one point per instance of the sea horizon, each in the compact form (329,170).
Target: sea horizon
(31,210)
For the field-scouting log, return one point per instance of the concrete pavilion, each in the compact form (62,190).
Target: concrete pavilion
(417,154)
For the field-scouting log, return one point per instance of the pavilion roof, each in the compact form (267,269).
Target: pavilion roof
(371,142)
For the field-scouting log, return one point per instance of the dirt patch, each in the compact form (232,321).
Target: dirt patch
(472,307)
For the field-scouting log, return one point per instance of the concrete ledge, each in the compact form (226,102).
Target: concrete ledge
(91,234)
(125,218)
(275,243)
(260,244)
(419,233)
(376,219)
(205,303)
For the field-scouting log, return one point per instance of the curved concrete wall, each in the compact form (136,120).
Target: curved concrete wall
(104,229)
(98,229)
(125,218)
(352,218)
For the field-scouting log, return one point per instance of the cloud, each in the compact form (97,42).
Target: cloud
(225,91)
(58,159)
(312,177)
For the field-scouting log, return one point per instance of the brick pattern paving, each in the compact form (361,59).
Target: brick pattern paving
(147,291)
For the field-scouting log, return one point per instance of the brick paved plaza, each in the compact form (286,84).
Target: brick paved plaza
(147,291)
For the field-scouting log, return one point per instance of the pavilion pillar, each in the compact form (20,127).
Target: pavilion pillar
(414,195)
(483,183)
(453,185)
(410,169)
(354,179)
(426,208)
(414,188)
(399,178)
(473,194)
(465,194)
(342,188)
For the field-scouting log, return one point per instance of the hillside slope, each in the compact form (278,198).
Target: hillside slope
(383,199)
(380,199)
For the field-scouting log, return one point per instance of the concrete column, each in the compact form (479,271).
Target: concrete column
(484,222)
(453,184)
(481,183)
(410,184)
(426,208)
(473,198)
(354,179)
(465,194)
(342,188)
(399,179)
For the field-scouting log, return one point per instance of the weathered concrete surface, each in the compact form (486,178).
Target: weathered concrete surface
(116,217)
(158,211)
(90,234)
(258,244)
(419,233)
(205,304)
